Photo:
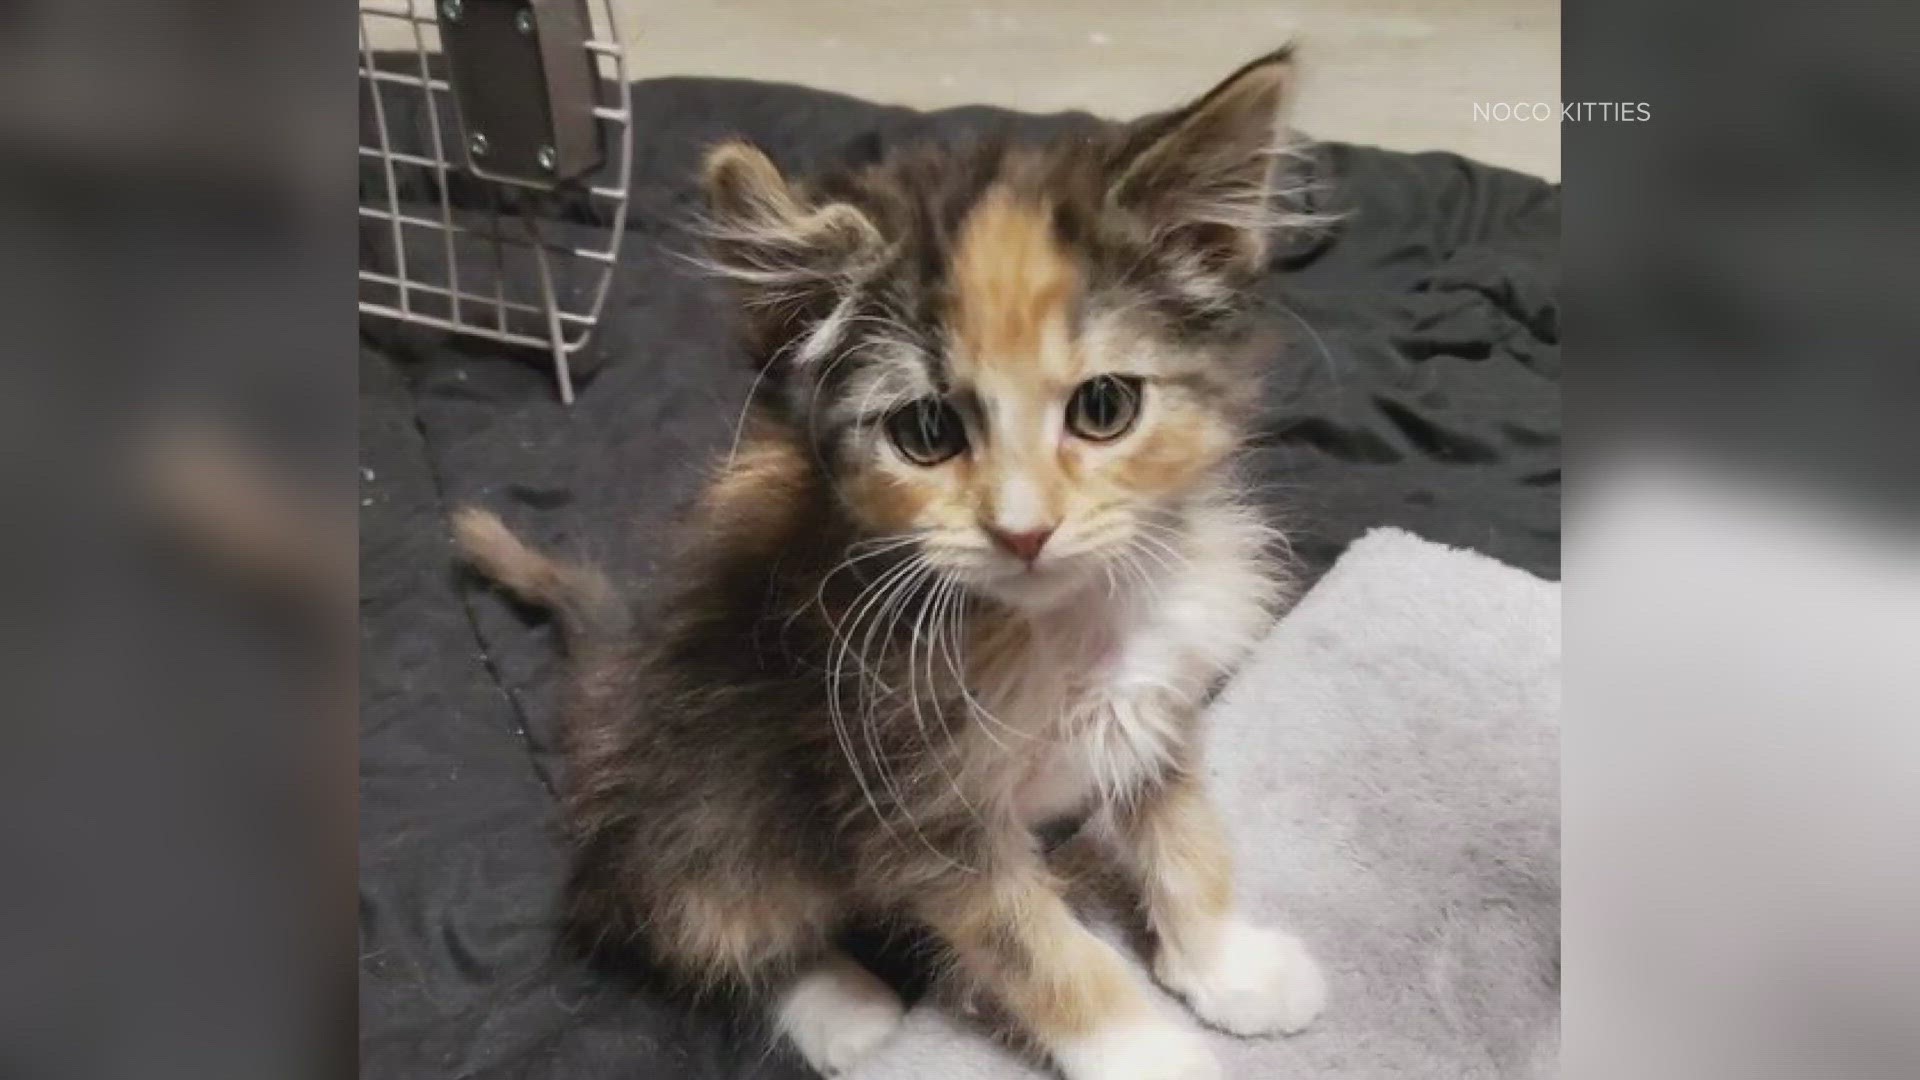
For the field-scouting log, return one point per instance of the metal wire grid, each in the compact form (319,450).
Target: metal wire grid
(572,281)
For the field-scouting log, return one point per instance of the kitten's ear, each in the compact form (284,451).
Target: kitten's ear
(1201,177)
(791,259)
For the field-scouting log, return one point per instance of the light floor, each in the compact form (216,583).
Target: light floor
(1398,73)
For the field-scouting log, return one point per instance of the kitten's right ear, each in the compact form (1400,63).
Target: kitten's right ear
(1201,178)
(792,260)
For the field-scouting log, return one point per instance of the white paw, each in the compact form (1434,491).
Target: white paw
(836,1014)
(1256,981)
(1149,1048)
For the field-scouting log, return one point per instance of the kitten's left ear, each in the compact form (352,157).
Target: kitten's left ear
(1201,177)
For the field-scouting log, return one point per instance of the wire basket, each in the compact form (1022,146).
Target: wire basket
(518,261)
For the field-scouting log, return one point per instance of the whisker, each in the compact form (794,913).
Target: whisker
(1169,559)
(1126,561)
(977,707)
(884,593)
(944,589)
(894,605)
(913,697)
(820,593)
(950,615)
(835,709)
(885,546)
(900,596)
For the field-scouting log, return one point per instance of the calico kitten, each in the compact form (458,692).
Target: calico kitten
(975,565)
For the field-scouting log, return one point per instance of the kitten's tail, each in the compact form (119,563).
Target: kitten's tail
(589,608)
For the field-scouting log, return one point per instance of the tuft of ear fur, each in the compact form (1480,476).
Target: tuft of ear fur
(792,261)
(1202,178)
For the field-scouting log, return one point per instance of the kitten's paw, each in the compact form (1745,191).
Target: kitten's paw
(837,1014)
(1256,982)
(1149,1048)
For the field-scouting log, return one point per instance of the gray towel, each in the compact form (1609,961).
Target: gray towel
(1388,761)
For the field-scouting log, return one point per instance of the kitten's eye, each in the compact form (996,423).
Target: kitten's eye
(1104,407)
(927,431)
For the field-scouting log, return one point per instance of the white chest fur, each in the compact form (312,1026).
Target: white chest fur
(1107,695)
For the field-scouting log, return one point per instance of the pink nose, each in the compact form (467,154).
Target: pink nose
(1023,545)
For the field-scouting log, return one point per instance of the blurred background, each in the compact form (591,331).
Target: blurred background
(175,238)
(1403,74)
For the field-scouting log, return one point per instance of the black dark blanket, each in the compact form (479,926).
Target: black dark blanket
(1418,386)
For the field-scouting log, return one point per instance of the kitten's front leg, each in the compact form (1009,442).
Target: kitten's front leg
(1242,978)
(1015,938)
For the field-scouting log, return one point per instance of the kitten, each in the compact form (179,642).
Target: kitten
(975,565)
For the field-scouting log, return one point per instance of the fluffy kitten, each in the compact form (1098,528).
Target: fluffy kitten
(974,567)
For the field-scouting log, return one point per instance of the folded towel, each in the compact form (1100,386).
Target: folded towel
(1388,761)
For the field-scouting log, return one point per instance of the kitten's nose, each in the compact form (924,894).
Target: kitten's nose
(1024,545)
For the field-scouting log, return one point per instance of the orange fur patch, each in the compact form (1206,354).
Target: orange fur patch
(1169,456)
(1013,289)
(754,494)
(742,940)
(1015,938)
(886,503)
(1182,856)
